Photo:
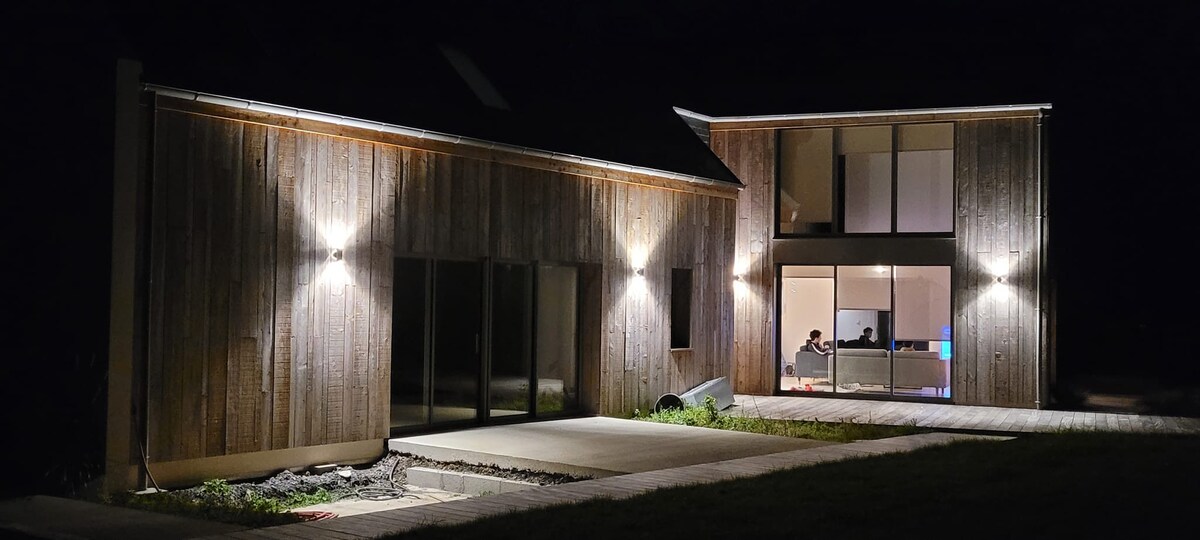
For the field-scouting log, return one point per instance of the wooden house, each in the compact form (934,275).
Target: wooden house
(292,287)
(927,227)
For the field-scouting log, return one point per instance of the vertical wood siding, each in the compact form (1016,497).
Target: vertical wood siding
(750,154)
(996,349)
(251,349)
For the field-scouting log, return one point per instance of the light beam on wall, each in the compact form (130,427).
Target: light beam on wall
(336,234)
(740,284)
(638,256)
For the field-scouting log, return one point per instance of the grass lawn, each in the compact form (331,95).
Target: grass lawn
(707,415)
(1065,485)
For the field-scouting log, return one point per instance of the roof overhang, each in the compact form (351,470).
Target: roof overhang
(948,113)
(471,146)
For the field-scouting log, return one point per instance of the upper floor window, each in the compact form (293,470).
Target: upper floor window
(866,179)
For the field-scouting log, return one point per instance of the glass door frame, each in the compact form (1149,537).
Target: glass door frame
(778,363)
(483,397)
(572,411)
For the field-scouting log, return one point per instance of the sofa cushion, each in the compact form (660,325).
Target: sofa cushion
(910,368)
(868,353)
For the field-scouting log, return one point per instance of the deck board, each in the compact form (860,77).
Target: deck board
(945,416)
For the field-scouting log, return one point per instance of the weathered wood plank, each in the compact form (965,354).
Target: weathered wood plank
(304,319)
(363,256)
(379,359)
(999,367)
(159,234)
(264,287)
(195,375)
(283,366)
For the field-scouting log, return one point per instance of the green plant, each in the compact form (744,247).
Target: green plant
(844,430)
(218,488)
(218,500)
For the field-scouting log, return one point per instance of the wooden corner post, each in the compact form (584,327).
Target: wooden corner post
(124,347)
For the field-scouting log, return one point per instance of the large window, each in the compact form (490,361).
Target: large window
(883,330)
(866,180)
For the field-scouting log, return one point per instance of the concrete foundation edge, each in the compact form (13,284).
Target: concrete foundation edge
(465,483)
(258,464)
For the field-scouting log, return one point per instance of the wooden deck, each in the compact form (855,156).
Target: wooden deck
(966,417)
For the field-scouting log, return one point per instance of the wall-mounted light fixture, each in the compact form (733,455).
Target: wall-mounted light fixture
(335,274)
(999,289)
(739,277)
(640,271)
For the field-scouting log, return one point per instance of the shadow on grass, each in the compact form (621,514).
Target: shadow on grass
(1065,485)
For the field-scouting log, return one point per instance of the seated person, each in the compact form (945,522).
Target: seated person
(865,341)
(814,344)
(906,346)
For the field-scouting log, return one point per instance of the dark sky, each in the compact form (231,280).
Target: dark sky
(1121,76)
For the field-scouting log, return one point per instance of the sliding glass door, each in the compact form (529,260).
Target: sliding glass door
(410,343)
(557,339)
(882,330)
(512,339)
(457,339)
(474,341)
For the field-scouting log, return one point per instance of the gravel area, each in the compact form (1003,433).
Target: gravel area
(387,472)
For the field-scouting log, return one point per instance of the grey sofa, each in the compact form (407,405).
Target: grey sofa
(811,364)
(917,369)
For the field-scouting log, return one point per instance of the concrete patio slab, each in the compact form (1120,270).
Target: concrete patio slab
(596,446)
(414,496)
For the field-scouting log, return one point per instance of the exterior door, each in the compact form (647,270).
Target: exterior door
(475,341)
(457,340)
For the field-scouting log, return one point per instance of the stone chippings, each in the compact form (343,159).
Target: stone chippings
(391,471)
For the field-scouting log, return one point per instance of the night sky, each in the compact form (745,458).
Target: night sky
(1125,189)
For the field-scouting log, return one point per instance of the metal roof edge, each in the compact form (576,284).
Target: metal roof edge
(861,114)
(258,106)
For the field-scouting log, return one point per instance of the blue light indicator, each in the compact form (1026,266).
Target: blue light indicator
(946,332)
(945,350)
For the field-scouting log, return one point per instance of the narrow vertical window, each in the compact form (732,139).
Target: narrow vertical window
(681,308)
(865,179)
(925,178)
(806,168)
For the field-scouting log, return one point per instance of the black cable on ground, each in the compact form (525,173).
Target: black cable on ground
(378,493)
(392,475)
